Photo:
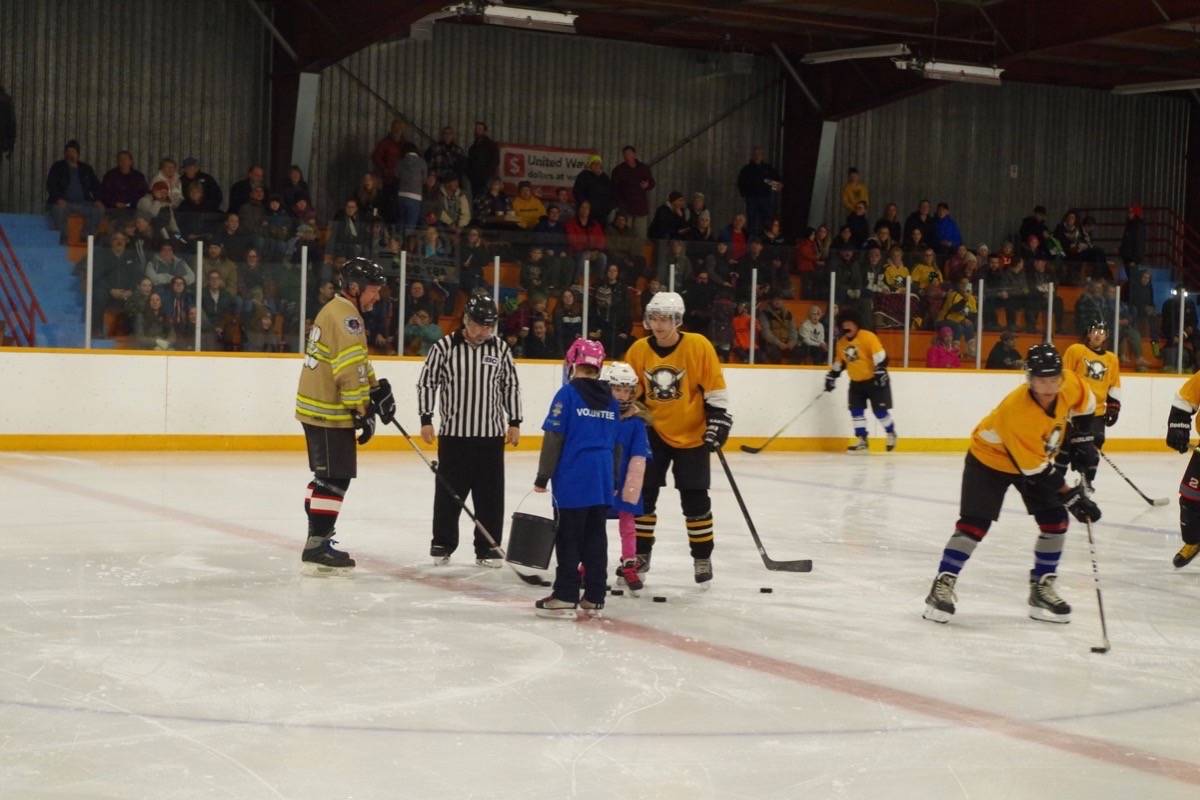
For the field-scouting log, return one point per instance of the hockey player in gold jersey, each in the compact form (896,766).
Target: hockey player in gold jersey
(1179,431)
(1101,372)
(684,389)
(1016,445)
(337,396)
(861,355)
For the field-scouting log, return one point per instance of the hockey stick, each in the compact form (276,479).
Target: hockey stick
(804,565)
(748,449)
(532,580)
(1096,577)
(1154,501)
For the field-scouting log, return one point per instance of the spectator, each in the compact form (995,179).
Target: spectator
(1170,330)
(372,204)
(925,272)
(781,341)
(721,330)
(957,262)
(922,219)
(632,182)
(814,345)
(915,242)
(564,202)
(168,173)
(698,297)
(294,187)
(72,188)
(192,173)
(215,260)
(610,321)
(585,242)
(540,344)
(891,218)
(807,255)
(625,249)
(959,311)
(303,212)
(854,192)
(882,238)
(759,183)
(252,216)
(326,291)
(123,186)
(1141,302)
(677,257)
(670,222)
(1004,354)
(1133,238)
(165,266)
(943,353)
(947,235)
(446,156)
(1035,225)
(156,205)
(218,310)
(261,336)
(1122,321)
(722,270)
(1014,285)
(1041,283)
(135,305)
(697,207)
(420,333)
(179,307)
(755,263)
(419,298)
(151,330)
(873,269)
(388,152)
(551,234)
(141,238)
(455,210)
(473,258)
(280,230)
(593,185)
(117,275)
(568,320)
(773,239)
(192,216)
(895,273)
(860,229)
(239,193)
(740,325)
(983,253)
(483,158)
(431,200)
(737,237)
(994,295)
(528,207)
(533,271)
(493,206)
(1091,252)
(247,276)
(233,240)
(518,321)
(780,275)
(850,278)
(1089,308)
(653,287)
(701,235)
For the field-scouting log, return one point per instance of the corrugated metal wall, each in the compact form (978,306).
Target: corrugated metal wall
(158,78)
(553,90)
(1071,147)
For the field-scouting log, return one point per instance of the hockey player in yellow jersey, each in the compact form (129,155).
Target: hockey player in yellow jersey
(337,396)
(1016,445)
(684,389)
(1101,372)
(861,356)
(1179,432)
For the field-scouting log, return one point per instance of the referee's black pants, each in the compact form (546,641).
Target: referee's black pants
(474,466)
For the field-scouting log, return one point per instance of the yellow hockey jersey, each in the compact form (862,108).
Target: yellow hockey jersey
(1188,397)
(859,356)
(1100,371)
(337,376)
(1023,429)
(925,274)
(676,382)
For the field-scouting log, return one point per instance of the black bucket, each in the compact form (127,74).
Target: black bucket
(531,540)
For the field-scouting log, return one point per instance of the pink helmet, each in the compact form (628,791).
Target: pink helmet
(587,352)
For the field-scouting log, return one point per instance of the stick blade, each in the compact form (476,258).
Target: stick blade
(802,565)
(1161,501)
(748,449)
(1104,649)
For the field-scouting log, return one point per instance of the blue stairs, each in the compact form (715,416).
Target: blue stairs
(48,268)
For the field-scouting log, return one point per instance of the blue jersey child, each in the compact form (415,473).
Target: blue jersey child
(577,459)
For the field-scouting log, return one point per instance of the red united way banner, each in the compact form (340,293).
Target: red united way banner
(547,168)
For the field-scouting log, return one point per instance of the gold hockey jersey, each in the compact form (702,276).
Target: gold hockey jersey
(1100,371)
(860,355)
(1188,398)
(337,376)
(676,384)
(1023,429)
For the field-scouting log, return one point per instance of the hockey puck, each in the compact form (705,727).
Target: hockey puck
(617,591)
(766,589)
(658,598)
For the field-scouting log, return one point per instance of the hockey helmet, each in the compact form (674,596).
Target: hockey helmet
(1098,325)
(618,373)
(587,352)
(1043,361)
(481,310)
(667,305)
(849,314)
(362,271)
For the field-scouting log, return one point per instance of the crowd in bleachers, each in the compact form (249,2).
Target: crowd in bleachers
(448,211)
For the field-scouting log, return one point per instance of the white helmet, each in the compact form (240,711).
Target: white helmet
(665,304)
(618,373)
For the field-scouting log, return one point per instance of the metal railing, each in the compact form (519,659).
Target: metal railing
(19,306)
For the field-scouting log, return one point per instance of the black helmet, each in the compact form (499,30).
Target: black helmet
(849,314)
(1043,361)
(1098,325)
(481,309)
(362,271)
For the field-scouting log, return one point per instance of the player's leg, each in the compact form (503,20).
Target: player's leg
(567,545)
(1189,513)
(627,571)
(594,555)
(454,464)
(1046,506)
(881,405)
(656,477)
(332,457)
(692,478)
(487,495)
(857,401)
(980,499)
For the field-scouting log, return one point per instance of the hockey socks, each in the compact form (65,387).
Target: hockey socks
(859,417)
(1048,550)
(968,533)
(323,503)
(885,419)
(644,532)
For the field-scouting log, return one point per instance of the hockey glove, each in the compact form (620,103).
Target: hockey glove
(881,378)
(366,427)
(1081,446)
(716,430)
(1051,478)
(1080,505)
(1112,410)
(830,380)
(384,402)
(1179,429)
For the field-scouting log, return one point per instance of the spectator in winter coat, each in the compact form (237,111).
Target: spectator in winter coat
(1133,238)
(1170,329)
(807,255)
(218,310)
(947,235)
(551,232)
(72,188)
(117,275)
(540,343)
(168,172)
(698,297)
(625,248)
(720,330)
(156,205)
(568,320)
(891,218)
(943,353)
(215,260)
(213,197)
(632,182)
(1014,292)
(594,186)
(493,208)
(151,330)
(1090,307)
(759,184)
(957,262)
(670,221)
(814,346)
(239,193)
(528,207)
(1120,316)
(252,216)
(915,242)
(483,159)
(696,207)
(455,212)
(179,307)
(294,187)
(165,266)
(741,334)
(586,241)
(1035,225)
(446,156)
(420,333)
(737,237)
(123,186)
(860,228)
(677,257)
(882,238)
(372,205)
(1141,301)
(233,240)
(388,152)
(781,340)
(1004,354)
(854,191)
(193,216)
(849,274)
(923,220)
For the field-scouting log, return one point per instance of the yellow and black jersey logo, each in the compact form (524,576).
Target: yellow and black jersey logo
(1096,370)
(851,353)
(663,382)
(1053,441)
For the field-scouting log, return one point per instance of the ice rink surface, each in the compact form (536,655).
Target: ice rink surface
(158,641)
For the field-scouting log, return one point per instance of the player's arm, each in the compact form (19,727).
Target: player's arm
(1079,442)
(1179,424)
(349,365)
(1112,405)
(880,361)
(429,381)
(554,431)
(835,369)
(511,387)
(717,419)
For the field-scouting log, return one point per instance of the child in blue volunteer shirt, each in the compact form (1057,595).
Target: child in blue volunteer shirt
(634,446)
(577,458)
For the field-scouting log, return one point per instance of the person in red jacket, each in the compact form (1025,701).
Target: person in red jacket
(632,182)
(586,242)
(943,353)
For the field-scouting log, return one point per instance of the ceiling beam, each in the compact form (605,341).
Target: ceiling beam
(1158,37)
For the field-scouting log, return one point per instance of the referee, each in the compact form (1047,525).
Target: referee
(471,375)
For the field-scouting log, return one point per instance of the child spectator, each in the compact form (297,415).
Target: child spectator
(854,191)
(568,320)
(814,345)
(420,333)
(1004,353)
(741,333)
(528,207)
(634,448)
(895,273)
(943,353)
(959,310)
(579,455)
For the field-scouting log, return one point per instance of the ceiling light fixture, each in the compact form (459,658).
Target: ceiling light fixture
(856,53)
(951,71)
(516,17)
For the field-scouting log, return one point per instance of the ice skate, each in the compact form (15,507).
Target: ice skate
(441,557)
(627,574)
(891,441)
(491,561)
(1185,555)
(553,608)
(589,609)
(859,446)
(320,558)
(704,573)
(939,604)
(1044,603)
(643,563)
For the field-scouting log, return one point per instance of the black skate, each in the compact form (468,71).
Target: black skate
(860,445)
(1044,603)
(704,574)
(939,605)
(643,563)
(1185,555)
(441,556)
(553,608)
(320,557)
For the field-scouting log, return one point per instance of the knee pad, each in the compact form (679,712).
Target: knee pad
(973,527)
(1189,521)
(695,502)
(1052,520)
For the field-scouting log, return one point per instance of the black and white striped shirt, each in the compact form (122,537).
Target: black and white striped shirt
(475,386)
